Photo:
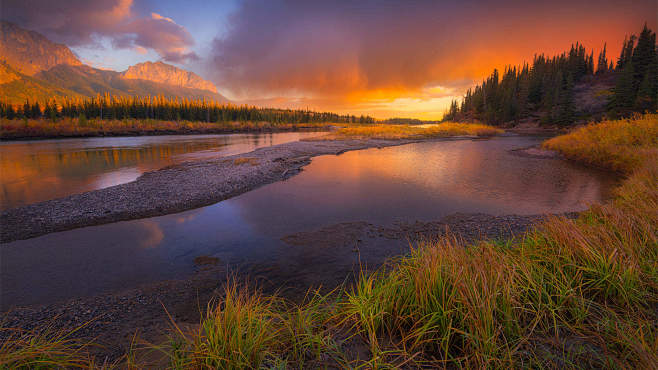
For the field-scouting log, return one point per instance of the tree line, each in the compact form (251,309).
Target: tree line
(546,87)
(161,108)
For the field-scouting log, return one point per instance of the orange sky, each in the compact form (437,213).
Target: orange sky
(384,58)
(405,59)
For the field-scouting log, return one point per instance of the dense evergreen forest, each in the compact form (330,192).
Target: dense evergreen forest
(160,108)
(545,89)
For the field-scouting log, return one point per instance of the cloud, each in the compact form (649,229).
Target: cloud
(373,50)
(83,22)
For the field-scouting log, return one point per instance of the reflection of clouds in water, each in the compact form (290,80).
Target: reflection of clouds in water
(152,235)
(185,218)
(117,177)
(421,181)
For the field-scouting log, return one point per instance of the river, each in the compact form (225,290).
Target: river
(389,186)
(37,170)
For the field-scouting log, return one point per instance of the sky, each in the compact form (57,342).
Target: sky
(380,58)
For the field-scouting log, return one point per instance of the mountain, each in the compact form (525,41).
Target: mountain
(16,87)
(29,52)
(167,74)
(90,81)
(32,67)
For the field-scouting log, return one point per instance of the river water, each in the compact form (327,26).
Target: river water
(422,181)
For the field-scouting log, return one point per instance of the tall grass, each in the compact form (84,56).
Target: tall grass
(42,348)
(571,293)
(382,131)
(619,145)
(248,330)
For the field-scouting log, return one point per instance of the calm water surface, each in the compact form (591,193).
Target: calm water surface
(34,171)
(423,181)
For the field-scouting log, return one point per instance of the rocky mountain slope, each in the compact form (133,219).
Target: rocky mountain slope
(88,81)
(29,52)
(167,74)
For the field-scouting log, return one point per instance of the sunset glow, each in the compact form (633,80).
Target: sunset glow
(390,59)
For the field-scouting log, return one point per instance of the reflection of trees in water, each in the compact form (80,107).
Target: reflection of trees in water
(37,171)
(31,172)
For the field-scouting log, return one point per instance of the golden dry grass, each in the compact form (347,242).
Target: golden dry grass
(397,132)
(619,145)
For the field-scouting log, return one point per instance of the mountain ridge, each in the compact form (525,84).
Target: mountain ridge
(35,68)
(167,74)
(29,52)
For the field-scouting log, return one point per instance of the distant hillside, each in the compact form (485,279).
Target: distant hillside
(89,81)
(16,88)
(29,52)
(168,74)
(34,68)
(569,88)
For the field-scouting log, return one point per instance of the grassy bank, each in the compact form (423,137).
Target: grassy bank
(382,131)
(80,127)
(573,293)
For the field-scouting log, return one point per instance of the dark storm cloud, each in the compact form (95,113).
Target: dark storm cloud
(343,48)
(81,22)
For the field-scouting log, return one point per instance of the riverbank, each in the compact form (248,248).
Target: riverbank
(36,129)
(111,320)
(579,293)
(569,293)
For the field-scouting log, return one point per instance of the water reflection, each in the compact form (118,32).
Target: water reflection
(34,171)
(423,181)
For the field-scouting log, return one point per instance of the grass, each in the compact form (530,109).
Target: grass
(42,348)
(620,145)
(571,293)
(396,132)
(248,330)
(81,127)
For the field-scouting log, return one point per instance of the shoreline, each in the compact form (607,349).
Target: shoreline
(112,318)
(138,133)
(177,188)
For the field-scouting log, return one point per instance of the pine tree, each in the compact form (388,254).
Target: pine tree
(566,107)
(626,53)
(624,92)
(644,101)
(602,65)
